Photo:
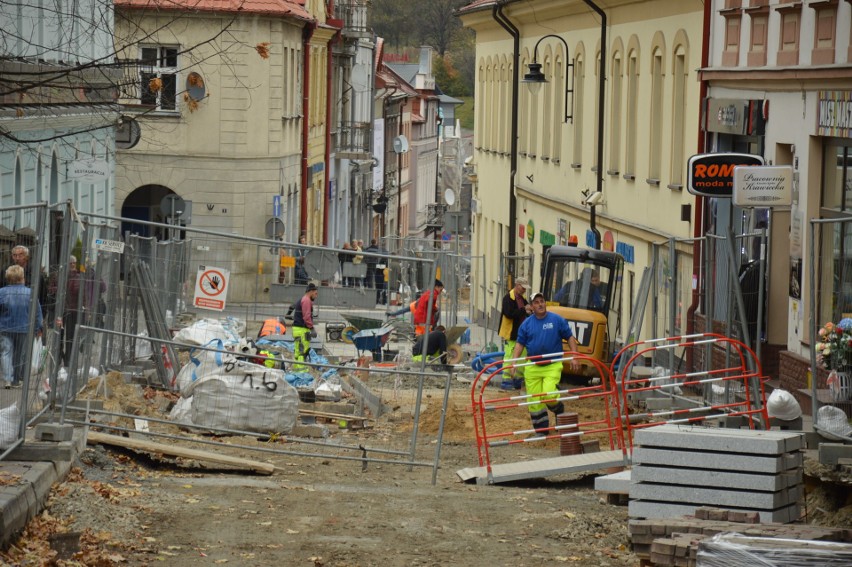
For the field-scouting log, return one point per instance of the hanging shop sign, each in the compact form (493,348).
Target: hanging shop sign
(712,175)
(763,186)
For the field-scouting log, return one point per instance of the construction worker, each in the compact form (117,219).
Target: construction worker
(303,325)
(514,310)
(272,326)
(542,334)
(422,309)
(436,346)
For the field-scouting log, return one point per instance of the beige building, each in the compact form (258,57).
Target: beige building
(651,106)
(217,94)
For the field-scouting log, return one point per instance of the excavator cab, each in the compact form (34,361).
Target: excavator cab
(583,286)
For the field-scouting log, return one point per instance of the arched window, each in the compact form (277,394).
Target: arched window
(480,106)
(547,106)
(615,112)
(679,76)
(558,104)
(579,111)
(655,127)
(524,96)
(632,114)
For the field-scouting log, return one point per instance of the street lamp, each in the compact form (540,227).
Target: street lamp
(535,78)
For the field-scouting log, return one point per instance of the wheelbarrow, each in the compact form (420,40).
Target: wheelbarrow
(358,323)
(372,340)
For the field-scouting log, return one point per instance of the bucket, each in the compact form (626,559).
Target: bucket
(568,445)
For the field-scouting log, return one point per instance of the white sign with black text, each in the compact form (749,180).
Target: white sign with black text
(763,186)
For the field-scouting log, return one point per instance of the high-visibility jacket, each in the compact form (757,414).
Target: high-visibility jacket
(272,327)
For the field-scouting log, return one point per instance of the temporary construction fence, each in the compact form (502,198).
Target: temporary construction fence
(622,398)
(134,297)
(830,285)
(455,263)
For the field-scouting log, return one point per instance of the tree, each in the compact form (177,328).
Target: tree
(438,23)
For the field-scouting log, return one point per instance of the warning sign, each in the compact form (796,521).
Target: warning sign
(211,288)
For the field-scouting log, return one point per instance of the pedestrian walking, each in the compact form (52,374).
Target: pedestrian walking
(15,323)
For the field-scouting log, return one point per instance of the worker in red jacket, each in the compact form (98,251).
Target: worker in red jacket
(421,310)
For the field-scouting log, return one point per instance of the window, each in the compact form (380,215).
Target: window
(759,13)
(678,118)
(159,65)
(656,124)
(547,109)
(826,32)
(579,76)
(615,118)
(558,105)
(836,238)
(632,115)
(788,40)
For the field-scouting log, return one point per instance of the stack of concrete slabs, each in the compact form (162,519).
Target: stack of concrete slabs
(677,469)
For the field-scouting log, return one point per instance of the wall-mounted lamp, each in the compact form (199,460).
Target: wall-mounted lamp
(535,78)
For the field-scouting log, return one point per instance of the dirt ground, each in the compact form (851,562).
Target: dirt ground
(121,507)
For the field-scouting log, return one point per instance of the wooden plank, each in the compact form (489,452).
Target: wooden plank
(177,451)
(348,417)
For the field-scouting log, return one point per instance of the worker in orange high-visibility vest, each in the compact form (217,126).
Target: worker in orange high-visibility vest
(421,310)
(272,326)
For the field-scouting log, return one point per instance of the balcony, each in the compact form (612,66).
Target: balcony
(352,140)
(354,15)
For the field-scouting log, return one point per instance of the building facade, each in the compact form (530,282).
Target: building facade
(534,172)
(789,66)
(58,108)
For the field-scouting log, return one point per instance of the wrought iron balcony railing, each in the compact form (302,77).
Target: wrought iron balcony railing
(355,17)
(353,138)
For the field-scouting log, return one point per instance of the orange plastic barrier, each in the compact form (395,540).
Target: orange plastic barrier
(737,378)
(482,405)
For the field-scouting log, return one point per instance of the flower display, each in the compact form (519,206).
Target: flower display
(834,350)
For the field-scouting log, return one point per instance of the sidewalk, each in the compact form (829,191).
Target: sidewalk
(29,472)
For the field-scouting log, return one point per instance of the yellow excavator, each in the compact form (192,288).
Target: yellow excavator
(584,287)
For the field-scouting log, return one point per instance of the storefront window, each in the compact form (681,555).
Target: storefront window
(834,284)
(837,176)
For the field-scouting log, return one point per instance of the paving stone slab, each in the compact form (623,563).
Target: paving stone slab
(617,483)
(719,439)
(651,509)
(718,479)
(717,461)
(715,497)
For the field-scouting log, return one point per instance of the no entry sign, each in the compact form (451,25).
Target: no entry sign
(211,288)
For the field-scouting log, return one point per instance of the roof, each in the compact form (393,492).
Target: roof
(447,99)
(406,71)
(294,8)
(476,5)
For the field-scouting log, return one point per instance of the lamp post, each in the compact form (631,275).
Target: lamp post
(536,77)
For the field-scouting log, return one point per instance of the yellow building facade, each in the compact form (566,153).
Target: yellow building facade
(651,116)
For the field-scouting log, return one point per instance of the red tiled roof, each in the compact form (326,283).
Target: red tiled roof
(294,8)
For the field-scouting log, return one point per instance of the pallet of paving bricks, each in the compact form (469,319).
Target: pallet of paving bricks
(676,541)
(677,469)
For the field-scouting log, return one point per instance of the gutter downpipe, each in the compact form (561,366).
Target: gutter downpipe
(307,34)
(698,229)
(601,100)
(500,18)
(328,89)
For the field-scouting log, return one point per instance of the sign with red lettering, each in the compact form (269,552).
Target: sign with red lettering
(211,288)
(712,175)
